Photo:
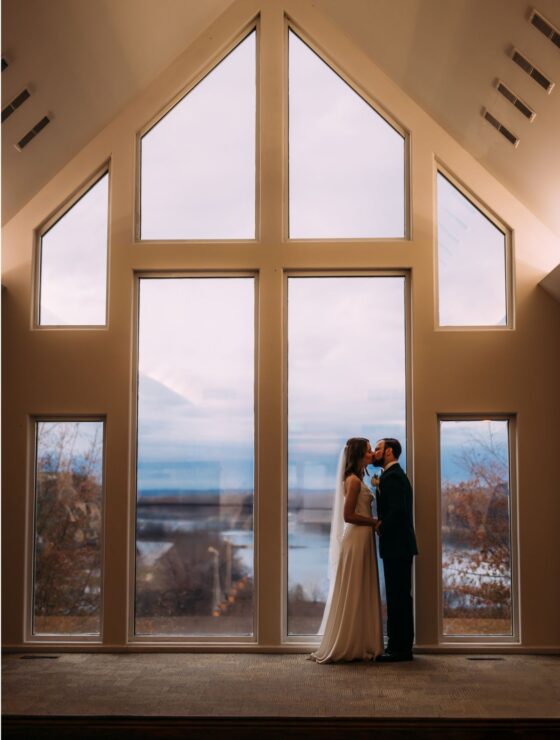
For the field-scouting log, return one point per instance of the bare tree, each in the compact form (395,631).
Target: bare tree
(476,539)
(67,529)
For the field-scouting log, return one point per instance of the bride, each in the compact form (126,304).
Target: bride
(352,624)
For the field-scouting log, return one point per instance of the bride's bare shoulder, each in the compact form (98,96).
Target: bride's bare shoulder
(352,484)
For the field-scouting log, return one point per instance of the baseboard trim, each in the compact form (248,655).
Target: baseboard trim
(181,647)
(86,727)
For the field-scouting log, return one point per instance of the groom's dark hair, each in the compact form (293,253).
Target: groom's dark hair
(393,444)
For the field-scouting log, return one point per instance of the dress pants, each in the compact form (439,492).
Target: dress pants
(398,588)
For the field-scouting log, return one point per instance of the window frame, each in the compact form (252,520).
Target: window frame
(57,215)
(268,256)
(33,421)
(439,168)
(203,71)
(484,640)
(311,641)
(206,641)
(378,107)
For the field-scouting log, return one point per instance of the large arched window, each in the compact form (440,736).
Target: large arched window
(273,289)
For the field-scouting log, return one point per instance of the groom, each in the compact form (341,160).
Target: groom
(397,547)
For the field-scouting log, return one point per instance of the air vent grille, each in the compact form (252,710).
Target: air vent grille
(532,71)
(512,138)
(30,135)
(514,100)
(14,105)
(546,28)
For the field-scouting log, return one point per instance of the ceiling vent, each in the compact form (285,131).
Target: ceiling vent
(532,71)
(22,143)
(14,105)
(512,138)
(545,27)
(4,64)
(514,100)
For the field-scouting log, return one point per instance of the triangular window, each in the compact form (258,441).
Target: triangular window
(73,263)
(198,161)
(471,262)
(347,164)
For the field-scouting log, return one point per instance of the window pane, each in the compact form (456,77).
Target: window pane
(198,162)
(68,522)
(346,162)
(338,387)
(194,546)
(74,263)
(476,526)
(471,260)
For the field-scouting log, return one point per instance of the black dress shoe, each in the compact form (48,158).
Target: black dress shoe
(393,657)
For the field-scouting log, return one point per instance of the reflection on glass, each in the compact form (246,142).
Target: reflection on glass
(68,519)
(198,162)
(346,378)
(194,530)
(471,262)
(346,162)
(476,526)
(74,263)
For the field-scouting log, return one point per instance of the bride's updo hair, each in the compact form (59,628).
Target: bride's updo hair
(356,448)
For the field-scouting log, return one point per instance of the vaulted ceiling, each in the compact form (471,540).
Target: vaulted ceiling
(84,60)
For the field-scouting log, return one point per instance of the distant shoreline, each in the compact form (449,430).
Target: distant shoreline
(212,497)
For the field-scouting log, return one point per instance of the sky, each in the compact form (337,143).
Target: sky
(196,350)
(346,179)
(196,383)
(73,291)
(486,438)
(346,369)
(346,162)
(345,335)
(71,442)
(471,260)
(198,162)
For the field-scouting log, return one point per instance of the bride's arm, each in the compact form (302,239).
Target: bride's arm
(352,486)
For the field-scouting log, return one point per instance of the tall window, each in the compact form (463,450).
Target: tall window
(347,173)
(346,376)
(194,525)
(68,527)
(198,162)
(73,263)
(476,526)
(471,262)
(345,320)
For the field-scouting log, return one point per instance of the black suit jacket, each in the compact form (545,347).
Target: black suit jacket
(394,508)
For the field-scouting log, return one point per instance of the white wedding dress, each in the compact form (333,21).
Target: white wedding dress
(353,627)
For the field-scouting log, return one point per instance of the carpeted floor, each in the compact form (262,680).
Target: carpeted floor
(241,686)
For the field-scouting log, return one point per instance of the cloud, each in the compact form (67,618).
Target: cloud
(198,162)
(471,259)
(346,371)
(74,262)
(346,162)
